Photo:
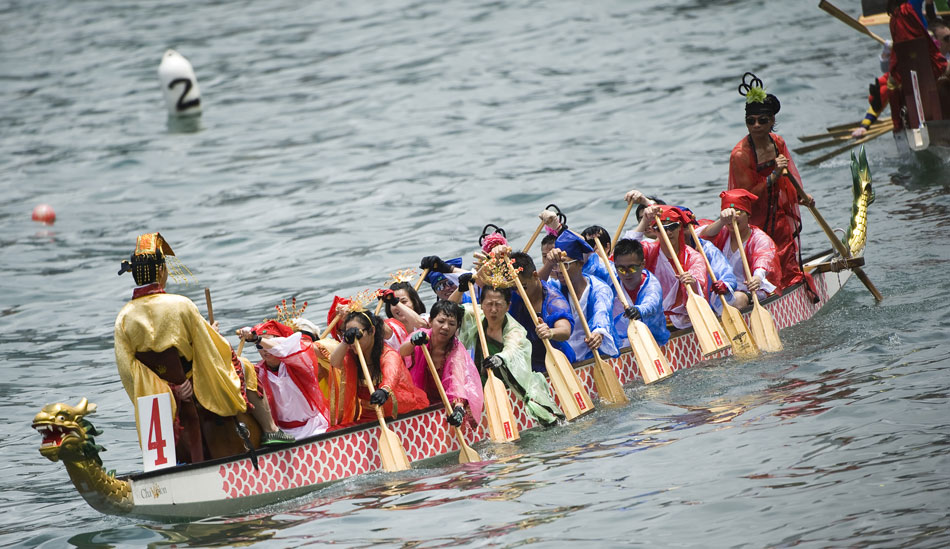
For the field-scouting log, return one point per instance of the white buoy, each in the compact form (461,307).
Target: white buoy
(179,85)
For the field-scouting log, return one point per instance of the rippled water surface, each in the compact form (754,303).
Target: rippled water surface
(342,141)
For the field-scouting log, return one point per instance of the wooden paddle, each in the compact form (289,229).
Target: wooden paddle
(466,453)
(838,245)
(208,303)
(707,328)
(763,326)
(240,348)
(844,130)
(573,396)
(333,324)
(651,361)
(533,237)
(849,127)
(502,425)
(391,452)
(875,131)
(742,343)
(425,273)
(623,222)
(608,385)
(867,137)
(848,20)
(561,218)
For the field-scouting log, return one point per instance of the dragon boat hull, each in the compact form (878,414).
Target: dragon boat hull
(234,485)
(243,482)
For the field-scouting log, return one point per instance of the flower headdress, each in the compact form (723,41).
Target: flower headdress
(757,99)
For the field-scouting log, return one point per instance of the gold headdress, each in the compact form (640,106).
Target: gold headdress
(495,270)
(405,275)
(359,301)
(289,317)
(152,250)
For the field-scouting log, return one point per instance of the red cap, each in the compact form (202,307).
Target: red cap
(739,199)
(672,214)
(331,314)
(272,327)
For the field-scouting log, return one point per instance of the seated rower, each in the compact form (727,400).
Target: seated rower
(442,275)
(456,370)
(657,262)
(557,322)
(394,333)
(594,297)
(164,345)
(406,306)
(759,248)
(287,373)
(509,350)
(593,265)
(725,279)
(395,391)
(643,293)
(547,244)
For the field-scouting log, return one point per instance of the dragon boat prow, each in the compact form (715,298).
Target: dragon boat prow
(69,437)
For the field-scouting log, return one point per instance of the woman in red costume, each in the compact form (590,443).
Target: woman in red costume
(761,164)
(395,391)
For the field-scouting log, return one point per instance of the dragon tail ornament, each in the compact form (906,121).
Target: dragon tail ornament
(69,437)
(856,236)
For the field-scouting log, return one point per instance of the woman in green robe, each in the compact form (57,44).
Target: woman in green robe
(510,351)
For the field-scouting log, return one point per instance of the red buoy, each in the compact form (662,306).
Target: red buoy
(44,214)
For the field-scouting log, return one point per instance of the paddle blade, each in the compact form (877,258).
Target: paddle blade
(572,395)
(743,345)
(391,453)
(651,362)
(763,330)
(466,453)
(502,425)
(708,331)
(608,385)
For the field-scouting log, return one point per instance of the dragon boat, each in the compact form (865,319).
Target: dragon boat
(247,481)
(924,117)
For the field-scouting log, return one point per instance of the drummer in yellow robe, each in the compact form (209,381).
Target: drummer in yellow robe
(164,345)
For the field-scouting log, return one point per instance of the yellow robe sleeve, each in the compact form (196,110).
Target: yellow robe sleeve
(217,386)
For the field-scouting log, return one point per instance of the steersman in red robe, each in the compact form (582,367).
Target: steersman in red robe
(762,165)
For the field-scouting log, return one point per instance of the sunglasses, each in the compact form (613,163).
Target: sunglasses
(443,284)
(945,38)
(672,226)
(629,269)
(762,120)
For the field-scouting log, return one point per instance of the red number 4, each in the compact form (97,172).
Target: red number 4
(155,440)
